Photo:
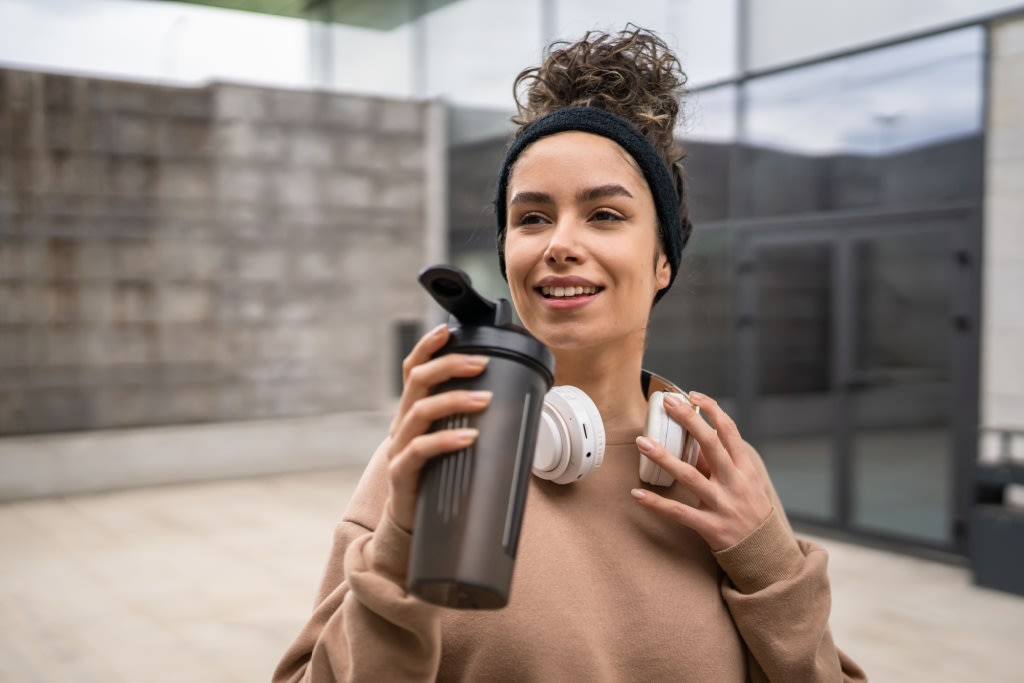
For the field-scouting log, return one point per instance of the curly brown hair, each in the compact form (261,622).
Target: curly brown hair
(632,73)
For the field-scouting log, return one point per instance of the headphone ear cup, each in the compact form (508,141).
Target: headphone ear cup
(552,438)
(670,434)
(570,439)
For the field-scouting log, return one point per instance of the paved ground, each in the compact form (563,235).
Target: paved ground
(210,582)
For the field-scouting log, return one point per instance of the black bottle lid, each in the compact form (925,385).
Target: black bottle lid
(482,326)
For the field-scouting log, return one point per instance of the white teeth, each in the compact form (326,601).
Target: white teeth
(567,291)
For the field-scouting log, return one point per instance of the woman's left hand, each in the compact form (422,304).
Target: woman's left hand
(732,493)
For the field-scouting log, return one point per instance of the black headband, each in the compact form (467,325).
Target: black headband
(629,137)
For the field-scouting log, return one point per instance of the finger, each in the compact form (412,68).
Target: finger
(702,464)
(404,469)
(425,376)
(728,433)
(426,411)
(425,348)
(715,455)
(406,465)
(423,351)
(687,475)
(680,513)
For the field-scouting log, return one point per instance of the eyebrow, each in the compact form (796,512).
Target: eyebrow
(586,195)
(529,197)
(602,192)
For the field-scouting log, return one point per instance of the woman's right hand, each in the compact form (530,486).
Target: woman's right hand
(410,446)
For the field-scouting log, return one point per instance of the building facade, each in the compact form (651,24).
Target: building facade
(182,255)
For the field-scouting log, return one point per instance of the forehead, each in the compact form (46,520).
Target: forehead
(575,158)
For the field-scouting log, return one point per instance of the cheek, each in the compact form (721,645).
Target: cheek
(517,265)
(518,256)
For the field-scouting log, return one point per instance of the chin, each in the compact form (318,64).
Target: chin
(565,336)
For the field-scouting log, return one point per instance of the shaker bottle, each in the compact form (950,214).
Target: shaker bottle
(470,504)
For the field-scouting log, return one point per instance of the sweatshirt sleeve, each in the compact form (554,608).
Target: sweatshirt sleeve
(364,622)
(778,592)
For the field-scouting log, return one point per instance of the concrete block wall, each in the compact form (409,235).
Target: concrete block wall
(1002,354)
(176,255)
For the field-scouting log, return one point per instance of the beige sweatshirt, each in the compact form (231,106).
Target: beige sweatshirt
(603,590)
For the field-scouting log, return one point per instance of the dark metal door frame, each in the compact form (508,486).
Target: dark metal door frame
(962,225)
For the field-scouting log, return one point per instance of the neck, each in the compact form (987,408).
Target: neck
(611,378)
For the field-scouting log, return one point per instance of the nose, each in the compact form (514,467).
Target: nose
(564,244)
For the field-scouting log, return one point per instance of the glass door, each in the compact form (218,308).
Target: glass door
(849,339)
(898,380)
(791,393)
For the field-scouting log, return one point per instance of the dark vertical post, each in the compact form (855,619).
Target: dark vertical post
(844,369)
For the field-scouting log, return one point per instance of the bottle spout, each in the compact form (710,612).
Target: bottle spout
(452,289)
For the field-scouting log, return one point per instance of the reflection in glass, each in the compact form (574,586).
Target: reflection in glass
(702,32)
(873,103)
(903,311)
(692,329)
(165,42)
(341,56)
(901,385)
(473,49)
(793,405)
(871,130)
(708,130)
(476,146)
(786,31)
(709,116)
(458,58)
(794,319)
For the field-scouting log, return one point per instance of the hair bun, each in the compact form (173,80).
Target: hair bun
(632,74)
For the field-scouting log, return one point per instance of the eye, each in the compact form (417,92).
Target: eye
(531,219)
(606,215)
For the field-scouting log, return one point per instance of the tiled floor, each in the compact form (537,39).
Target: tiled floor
(210,582)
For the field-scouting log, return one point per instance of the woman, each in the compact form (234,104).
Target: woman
(702,581)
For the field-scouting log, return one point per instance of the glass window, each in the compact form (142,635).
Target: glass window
(354,59)
(708,131)
(473,49)
(469,71)
(701,298)
(703,32)
(710,115)
(476,146)
(785,31)
(900,383)
(793,418)
(164,41)
(874,129)
(692,329)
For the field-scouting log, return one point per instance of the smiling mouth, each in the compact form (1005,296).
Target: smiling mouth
(567,292)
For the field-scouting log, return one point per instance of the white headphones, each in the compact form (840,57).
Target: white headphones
(571,442)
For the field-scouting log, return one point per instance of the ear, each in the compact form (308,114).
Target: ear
(662,270)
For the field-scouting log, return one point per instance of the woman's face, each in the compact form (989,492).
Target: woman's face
(581,246)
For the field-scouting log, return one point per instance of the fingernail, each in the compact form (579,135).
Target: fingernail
(672,400)
(638,493)
(466,436)
(644,444)
(480,396)
(478,361)
(437,330)
(696,396)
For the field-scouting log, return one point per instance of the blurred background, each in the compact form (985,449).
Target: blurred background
(212,214)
